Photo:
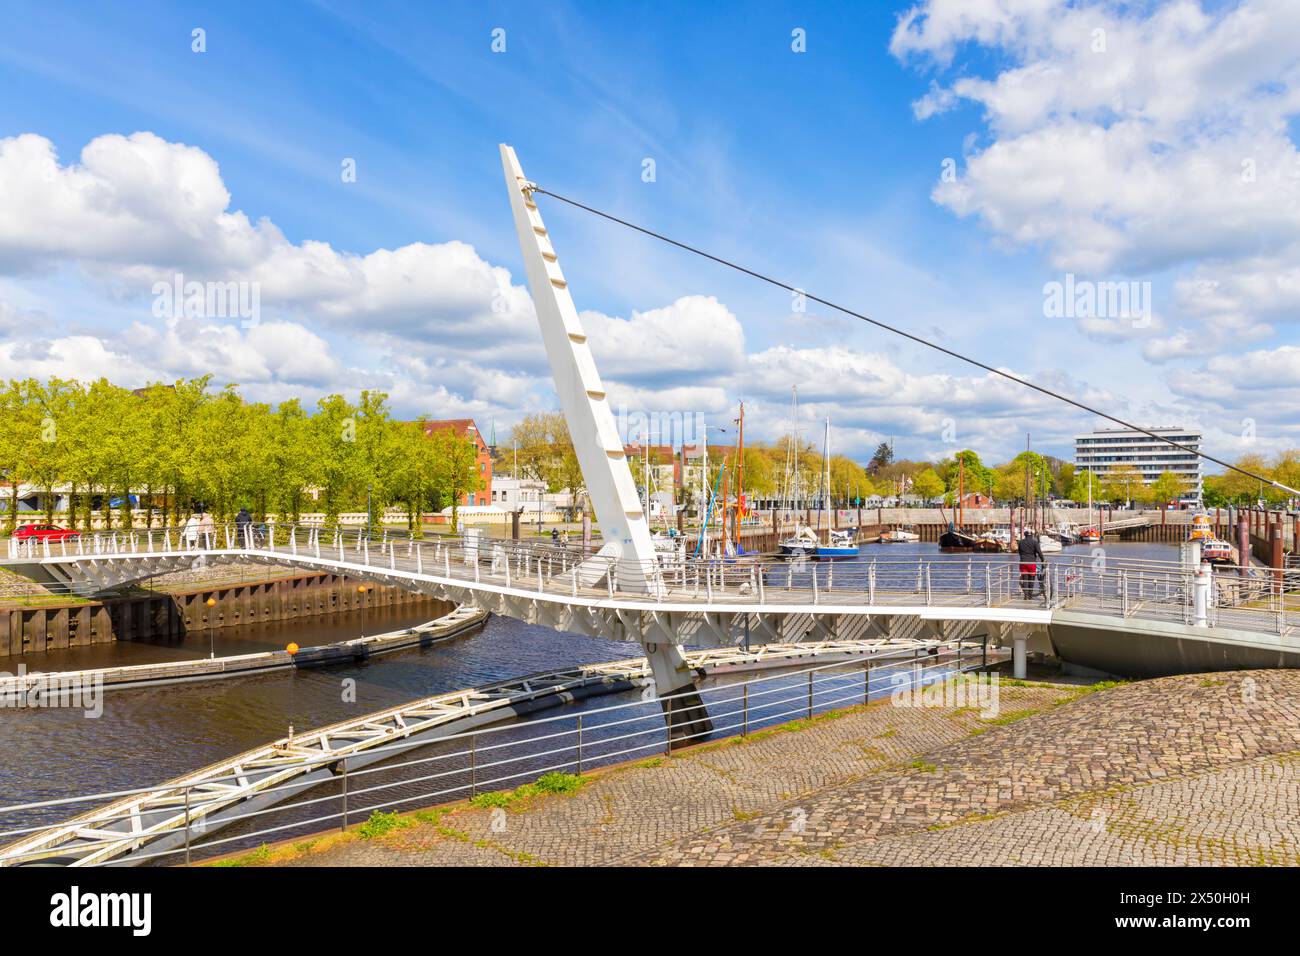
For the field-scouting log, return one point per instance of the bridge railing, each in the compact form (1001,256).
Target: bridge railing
(1257,599)
(481,765)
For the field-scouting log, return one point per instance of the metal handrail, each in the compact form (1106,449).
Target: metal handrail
(806,694)
(544,568)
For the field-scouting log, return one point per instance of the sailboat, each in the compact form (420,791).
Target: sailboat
(804,541)
(839,544)
(955,539)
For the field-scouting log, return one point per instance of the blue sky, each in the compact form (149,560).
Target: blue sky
(821,167)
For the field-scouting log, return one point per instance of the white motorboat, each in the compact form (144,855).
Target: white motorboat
(804,542)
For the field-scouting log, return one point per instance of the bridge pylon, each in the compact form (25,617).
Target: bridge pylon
(627,553)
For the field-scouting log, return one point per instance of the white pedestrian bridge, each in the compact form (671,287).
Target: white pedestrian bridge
(1117,616)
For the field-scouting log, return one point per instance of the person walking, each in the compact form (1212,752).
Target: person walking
(190,531)
(243,522)
(1030,553)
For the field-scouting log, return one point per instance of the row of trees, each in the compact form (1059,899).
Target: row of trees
(545,453)
(1232,488)
(187,446)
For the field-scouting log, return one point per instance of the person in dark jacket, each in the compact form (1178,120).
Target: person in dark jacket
(1031,556)
(242,522)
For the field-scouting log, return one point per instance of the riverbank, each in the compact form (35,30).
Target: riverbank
(171,607)
(1137,774)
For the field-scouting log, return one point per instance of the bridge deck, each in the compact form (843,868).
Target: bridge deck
(977,588)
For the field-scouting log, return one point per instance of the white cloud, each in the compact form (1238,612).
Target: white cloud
(1156,142)
(1140,140)
(437,326)
(694,337)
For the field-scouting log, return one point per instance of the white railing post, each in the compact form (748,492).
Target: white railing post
(1201,595)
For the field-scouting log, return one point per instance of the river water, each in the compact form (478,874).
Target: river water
(149,735)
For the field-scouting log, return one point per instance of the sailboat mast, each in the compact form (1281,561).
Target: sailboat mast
(961,487)
(796,450)
(740,474)
(824,493)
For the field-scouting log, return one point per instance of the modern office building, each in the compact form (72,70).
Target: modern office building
(1109,448)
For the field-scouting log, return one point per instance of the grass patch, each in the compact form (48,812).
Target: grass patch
(1010,717)
(922,766)
(254,858)
(547,784)
(382,823)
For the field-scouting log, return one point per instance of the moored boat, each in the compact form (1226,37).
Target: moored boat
(842,544)
(1213,548)
(1216,550)
(803,542)
(954,540)
(899,536)
(1048,544)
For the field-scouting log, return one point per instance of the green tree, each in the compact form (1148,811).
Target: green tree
(1167,487)
(546,452)
(927,484)
(1121,483)
(883,456)
(456,471)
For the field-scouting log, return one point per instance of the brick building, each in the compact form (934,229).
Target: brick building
(466,428)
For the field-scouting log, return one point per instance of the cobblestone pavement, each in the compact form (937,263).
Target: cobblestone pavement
(1194,769)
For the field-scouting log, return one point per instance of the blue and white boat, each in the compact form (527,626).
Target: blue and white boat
(840,545)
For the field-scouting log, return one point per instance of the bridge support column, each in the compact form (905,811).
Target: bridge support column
(1019,657)
(684,711)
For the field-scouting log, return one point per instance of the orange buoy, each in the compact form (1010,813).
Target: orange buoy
(292,648)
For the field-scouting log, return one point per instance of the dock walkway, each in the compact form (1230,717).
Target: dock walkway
(1136,774)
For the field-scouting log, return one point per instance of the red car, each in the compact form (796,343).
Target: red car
(44,532)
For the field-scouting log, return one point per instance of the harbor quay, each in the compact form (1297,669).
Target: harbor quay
(1127,774)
